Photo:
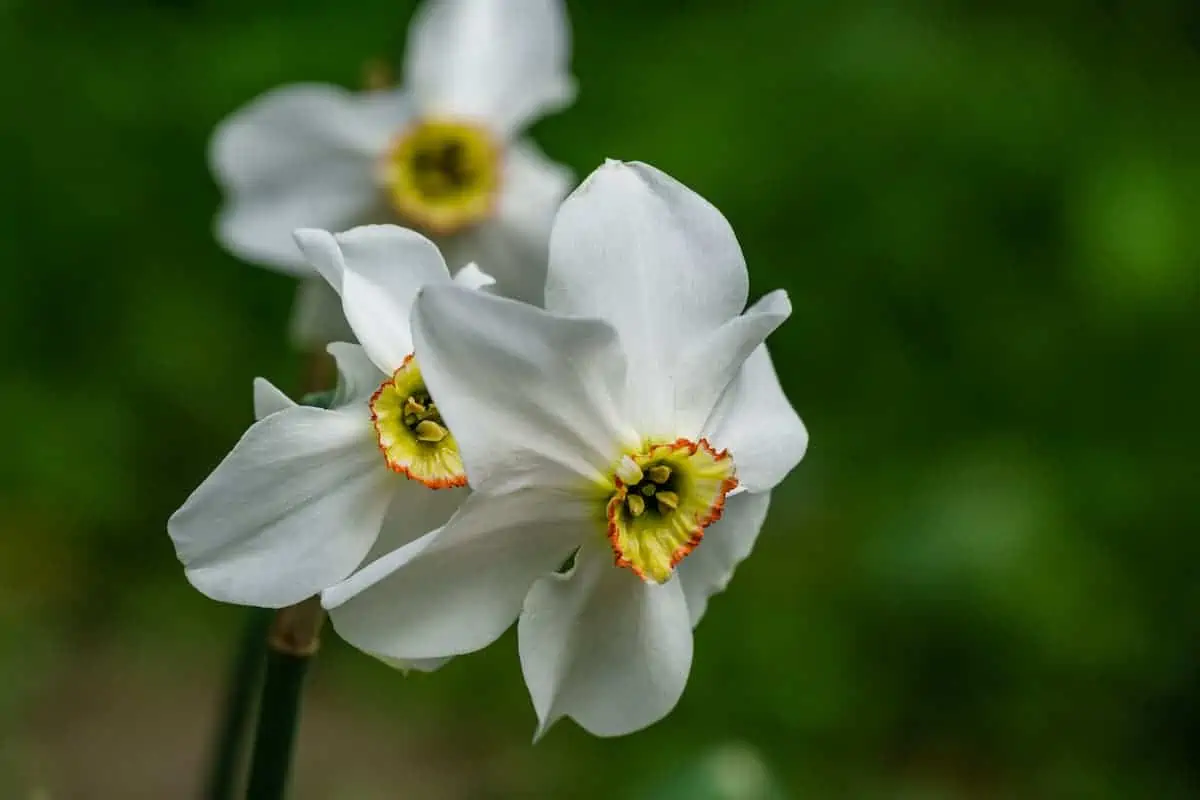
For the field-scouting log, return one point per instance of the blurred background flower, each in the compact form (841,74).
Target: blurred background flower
(980,583)
(442,153)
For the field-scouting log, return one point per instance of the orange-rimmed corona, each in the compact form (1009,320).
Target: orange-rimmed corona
(443,175)
(662,500)
(412,436)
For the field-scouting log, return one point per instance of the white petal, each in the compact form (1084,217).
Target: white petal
(707,366)
(317,316)
(416,664)
(291,510)
(514,244)
(529,396)
(300,156)
(755,421)
(456,590)
(268,399)
(472,277)
(378,269)
(604,647)
(726,543)
(501,61)
(358,377)
(320,250)
(635,247)
(415,511)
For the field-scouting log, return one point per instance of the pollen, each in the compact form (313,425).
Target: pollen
(443,175)
(412,435)
(662,500)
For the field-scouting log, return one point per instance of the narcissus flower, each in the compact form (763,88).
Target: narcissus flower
(622,445)
(443,154)
(310,493)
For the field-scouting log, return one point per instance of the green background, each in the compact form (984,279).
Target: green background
(981,582)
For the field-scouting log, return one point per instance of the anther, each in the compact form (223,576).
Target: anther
(659,473)
(636,505)
(411,406)
(667,501)
(629,472)
(429,431)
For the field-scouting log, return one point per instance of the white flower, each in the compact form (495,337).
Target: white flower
(636,425)
(303,497)
(443,154)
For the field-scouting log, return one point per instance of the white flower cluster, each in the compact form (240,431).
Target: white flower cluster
(578,431)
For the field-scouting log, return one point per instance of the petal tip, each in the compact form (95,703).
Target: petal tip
(473,277)
(268,399)
(337,595)
(333,348)
(779,301)
(543,727)
(321,250)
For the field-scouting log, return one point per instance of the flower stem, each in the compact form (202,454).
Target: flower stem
(240,693)
(291,644)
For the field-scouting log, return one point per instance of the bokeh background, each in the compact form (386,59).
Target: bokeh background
(981,582)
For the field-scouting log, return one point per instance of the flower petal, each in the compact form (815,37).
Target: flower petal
(707,366)
(529,396)
(300,156)
(727,542)
(378,269)
(291,510)
(268,399)
(502,61)
(415,511)
(755,421)
(635,247)
(317,316)
(472,277)
(457,589)
(358,377)
(416,664)
(603,647)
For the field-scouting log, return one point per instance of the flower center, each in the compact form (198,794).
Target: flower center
(663,498)
(414,439)
(443,175)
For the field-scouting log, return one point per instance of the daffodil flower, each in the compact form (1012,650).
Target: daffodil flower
(621,444)
(443,154)
(310,493)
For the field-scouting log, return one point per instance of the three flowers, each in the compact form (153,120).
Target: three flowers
(578,430)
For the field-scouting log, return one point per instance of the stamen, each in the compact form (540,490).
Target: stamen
(414,439)
(668,499)
(628,471)
(659,473)
(637,506)
(687,482)
(429,431)
(412,406)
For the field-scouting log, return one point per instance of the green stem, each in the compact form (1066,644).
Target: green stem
(291,646)
(241,690)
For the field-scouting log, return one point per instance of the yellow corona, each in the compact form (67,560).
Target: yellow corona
(443,176)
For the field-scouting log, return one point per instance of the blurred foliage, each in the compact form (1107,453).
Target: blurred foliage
(982,580)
